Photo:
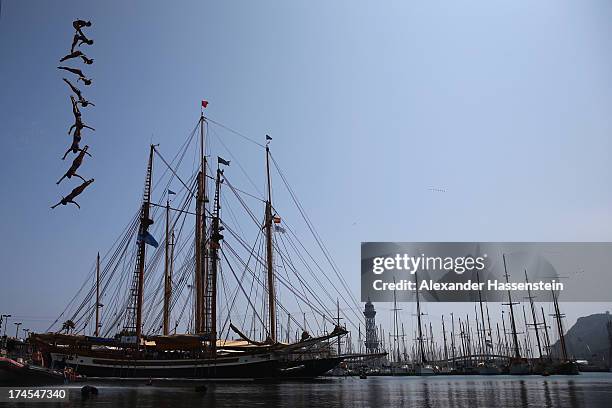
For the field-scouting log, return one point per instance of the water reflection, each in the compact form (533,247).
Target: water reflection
(587,390)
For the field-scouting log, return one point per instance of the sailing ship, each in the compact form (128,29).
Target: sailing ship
(229,331)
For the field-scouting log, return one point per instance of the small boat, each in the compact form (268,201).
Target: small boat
(14,373)
(424,370)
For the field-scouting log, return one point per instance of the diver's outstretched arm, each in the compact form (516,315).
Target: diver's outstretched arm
(64,176)
(66,154)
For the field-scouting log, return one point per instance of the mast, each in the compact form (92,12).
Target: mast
(134,320)
(444,336)
(558,316)
(200,239)
(211,282)
(97,331)
(269,258)
(167,278)
(533,315)
(453,337)
(483,337)
(171,272)
(338,324)
(515,341)
(506,345)
(528,351)
(395,325)
(404,343)
(546,336)
(420,337)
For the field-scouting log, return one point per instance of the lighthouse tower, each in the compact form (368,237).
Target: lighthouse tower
(371,336)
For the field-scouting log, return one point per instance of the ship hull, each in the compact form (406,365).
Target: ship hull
(13,373)
(251,367)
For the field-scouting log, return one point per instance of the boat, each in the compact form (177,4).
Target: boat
(15,373)
(424,370)
(487,369)
(519,366)
(140,340)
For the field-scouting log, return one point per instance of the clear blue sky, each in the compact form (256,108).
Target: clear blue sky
(505,105)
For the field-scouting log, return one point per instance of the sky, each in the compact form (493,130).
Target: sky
(505,106)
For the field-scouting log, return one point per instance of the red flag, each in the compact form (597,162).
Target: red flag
(204,104)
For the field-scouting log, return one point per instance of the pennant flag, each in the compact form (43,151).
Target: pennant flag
(148,239)
(204,104)
(268,137)
(171,192)
(280,229)
(277,219)
(220,160)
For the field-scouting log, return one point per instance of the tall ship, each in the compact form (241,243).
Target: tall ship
(230,291)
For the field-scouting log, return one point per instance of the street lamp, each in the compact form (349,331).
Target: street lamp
(6,322)
(5,317)
(17,331)
(27,332)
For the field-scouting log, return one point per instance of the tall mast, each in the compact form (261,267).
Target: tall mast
(546,336)
(528,351)
(211,281)
(97,332)
(517,352)
(404,342)
(167,279)
(533,316)
(453,337)
(558,316)
(134,321)
(171,272)
(420,337)
(202,324)
(395,325)
(269,258)
(483,336)
(338,324)
(444,336)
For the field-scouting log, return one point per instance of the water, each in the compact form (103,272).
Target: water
(589,390)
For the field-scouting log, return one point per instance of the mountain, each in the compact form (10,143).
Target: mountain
(588,339)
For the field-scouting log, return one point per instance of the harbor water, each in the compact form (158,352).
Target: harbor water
(588,390)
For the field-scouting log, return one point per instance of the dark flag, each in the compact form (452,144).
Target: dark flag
(268,137)
(222,161)
(148,239)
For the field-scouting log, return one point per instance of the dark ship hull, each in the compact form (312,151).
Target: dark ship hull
(243,367)
(264,366)
(13,373)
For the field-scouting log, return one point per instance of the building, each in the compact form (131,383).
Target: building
(371,335)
